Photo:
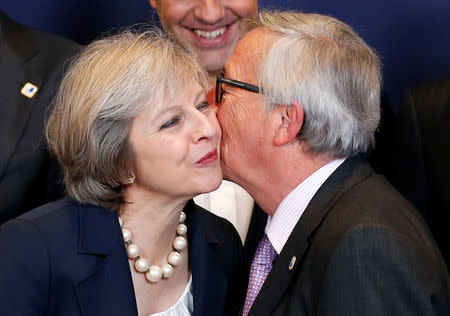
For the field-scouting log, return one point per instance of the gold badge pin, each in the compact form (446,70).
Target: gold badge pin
(29,90)
(292,263)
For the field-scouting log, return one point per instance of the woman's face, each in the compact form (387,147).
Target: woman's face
(176,145)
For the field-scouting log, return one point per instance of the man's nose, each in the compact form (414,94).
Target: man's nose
(209,11)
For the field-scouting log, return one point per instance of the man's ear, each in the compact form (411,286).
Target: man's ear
(289,123)
(153,4)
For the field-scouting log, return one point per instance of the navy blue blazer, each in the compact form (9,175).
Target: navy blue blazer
(67,259)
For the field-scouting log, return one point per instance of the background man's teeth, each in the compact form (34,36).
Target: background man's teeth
(212,34)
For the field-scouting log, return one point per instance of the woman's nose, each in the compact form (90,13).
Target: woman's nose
(204,127)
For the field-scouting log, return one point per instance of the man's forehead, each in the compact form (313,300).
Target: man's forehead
(248,53)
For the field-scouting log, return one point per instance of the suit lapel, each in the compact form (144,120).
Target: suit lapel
(208,280)
(109,289)
(16,50)
(349,173)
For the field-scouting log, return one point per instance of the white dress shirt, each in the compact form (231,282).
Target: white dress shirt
(279,226)
(231,202)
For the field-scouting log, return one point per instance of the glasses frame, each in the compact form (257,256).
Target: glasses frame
(235,83)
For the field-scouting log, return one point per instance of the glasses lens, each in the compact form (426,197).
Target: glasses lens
(219,92)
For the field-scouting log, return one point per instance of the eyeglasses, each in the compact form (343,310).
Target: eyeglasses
(235,83)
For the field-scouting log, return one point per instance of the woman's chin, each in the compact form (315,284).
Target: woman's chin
(212,184)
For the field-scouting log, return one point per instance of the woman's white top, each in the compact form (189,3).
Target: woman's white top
(184,306)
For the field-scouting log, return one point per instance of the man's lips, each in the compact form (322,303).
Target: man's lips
(212,37)
(208,158)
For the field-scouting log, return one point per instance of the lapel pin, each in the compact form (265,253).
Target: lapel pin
(29,90)
(292,263)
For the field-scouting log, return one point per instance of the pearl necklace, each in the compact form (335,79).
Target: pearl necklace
(154,273)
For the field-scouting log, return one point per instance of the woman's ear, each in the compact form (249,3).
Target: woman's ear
(290,123)
(153,4)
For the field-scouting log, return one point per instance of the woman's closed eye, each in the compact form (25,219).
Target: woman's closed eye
(203,106)
(170,122)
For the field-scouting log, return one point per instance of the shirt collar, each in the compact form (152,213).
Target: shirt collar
(280,225)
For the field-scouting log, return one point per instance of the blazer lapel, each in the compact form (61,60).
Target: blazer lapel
(208,280)
(350,172)
(109,289)
(16,49)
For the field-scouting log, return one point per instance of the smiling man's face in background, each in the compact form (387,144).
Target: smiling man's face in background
(210,29)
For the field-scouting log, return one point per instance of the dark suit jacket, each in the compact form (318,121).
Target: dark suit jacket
(69,259)
(420,159)
(28,177)
(360,249)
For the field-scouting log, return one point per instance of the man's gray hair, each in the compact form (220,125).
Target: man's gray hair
(324,65)
(107,85)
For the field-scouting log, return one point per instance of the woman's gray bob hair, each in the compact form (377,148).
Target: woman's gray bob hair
(107,85)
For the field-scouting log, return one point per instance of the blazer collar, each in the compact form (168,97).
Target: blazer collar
(16,40)
(352,171)
(108,290)
(208,279)
(99,230)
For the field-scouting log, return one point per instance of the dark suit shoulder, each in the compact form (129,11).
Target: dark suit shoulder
(373,206)
(216,226)
(56,222)
(26,43)
(48,213)
(371,247)
(375,264)
(433,94)
(374,197)
(54,49)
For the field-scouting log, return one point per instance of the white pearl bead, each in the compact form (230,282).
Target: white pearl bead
(133,251)
(155,274)
(167,271)
(174,258)
(141,265)
(126,234)
(179,243)
(181,229)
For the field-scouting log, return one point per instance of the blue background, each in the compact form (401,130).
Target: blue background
(412,37)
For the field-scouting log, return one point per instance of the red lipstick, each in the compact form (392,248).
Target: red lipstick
(208,158)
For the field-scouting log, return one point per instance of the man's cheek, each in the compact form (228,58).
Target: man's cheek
(211,99)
